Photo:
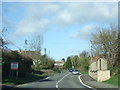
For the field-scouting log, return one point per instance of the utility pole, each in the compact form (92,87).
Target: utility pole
(91,49)
(45,51)
(25,46)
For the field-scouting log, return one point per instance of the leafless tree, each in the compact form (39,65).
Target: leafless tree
(3,40)
(35,46)
(105,43)
(36,43)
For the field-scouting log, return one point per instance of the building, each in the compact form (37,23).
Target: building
(98,69)
(58,64)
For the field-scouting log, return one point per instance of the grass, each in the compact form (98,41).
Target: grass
(84,72)
(114,80)
(21,80)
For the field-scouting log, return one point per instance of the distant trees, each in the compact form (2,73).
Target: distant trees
(84,64)
(47,63)
(84,54)
(68,63)
(75,61)
(63,59)
(105,43)
(80,62)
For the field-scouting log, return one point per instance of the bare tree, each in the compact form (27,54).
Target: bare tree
(3,40)
(105,43)
(35,45)
(84,54)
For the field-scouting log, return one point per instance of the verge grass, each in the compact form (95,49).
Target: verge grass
(21,80)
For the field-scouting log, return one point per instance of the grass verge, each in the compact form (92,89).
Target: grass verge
(21,80)
(84,72)
(114,80)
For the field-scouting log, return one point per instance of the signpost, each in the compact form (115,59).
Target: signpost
(14,67)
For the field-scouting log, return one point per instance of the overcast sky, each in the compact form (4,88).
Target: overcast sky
(66,27)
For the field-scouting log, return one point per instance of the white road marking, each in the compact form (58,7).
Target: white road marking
(79,77)
(61,80)
(47,77)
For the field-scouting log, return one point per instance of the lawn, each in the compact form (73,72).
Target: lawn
(21,80)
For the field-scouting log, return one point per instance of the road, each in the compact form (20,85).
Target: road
(59,81)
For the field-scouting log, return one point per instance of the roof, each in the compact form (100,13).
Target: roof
(96,58)
(31,54)
(59,61)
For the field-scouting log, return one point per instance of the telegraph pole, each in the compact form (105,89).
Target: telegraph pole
(91,49)
(25,46)
(45,51)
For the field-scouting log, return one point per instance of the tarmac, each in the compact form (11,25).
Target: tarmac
(86,79)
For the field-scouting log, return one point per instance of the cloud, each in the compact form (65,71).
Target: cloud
(40,17)
(73,51)
(36,19)
(27,27)
(84,33)
(87,12)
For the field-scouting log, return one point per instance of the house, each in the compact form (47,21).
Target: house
(59,64)
(98,69)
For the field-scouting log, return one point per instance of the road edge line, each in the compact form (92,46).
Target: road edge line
(79,77)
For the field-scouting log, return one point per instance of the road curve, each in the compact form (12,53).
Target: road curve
(63,80)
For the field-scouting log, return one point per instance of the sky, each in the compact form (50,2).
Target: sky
(66,27)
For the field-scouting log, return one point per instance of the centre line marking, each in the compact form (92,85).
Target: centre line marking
(61,80)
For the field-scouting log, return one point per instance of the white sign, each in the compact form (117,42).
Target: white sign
(14,65)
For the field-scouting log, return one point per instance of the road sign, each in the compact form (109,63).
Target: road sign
(14,65)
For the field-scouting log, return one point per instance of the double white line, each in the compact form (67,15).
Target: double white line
(61,80)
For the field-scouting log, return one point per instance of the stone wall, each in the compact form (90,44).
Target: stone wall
(103,64)
(103,75)
(93,74)
(98,70)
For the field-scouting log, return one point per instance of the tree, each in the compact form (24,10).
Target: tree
(84,54)
(68,63)
(63,59)
(84,64)
(75,61)
(14,56)
(3,40)
(35,45)
(46,62)
(105,43)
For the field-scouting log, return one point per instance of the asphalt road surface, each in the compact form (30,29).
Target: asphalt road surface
(60,81)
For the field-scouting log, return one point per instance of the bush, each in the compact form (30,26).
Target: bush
(24,66)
